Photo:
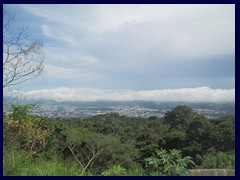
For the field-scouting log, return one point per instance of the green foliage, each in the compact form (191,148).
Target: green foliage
(20,112)
(222,135)
(197,141)
(25,166)
(168,163)
(218,160)
(110,144)
(80,145)
(116,170)
(136,170)
(180,117)
(174,139)
(23,132)
(114,152)
(146,142)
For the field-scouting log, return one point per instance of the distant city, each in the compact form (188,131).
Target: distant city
(50,108)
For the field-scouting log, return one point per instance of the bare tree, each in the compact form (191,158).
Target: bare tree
(22,57)
(90,153)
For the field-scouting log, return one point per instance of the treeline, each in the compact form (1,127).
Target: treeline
(110,144)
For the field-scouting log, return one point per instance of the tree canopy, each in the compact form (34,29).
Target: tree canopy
(111,144)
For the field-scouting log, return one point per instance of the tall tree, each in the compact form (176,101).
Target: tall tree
(180,117)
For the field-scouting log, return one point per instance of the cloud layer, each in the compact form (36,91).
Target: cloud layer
(140,46)
(200,94)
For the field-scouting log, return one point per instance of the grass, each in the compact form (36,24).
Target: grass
(23,165)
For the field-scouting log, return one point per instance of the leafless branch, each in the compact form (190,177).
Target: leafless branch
(84,165)
(71,147)
(22,57)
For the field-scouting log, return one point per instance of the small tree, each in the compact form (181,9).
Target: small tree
(83,145)
(23,132)
(168,163)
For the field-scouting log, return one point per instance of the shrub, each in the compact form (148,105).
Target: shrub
(116,170)
(168,163)
(218,160)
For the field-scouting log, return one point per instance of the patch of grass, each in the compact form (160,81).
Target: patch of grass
(23,165)
(54,168)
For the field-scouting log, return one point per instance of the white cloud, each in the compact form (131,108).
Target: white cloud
(200,94)
(58,72)
(46,30)
(69,57)
(60,33)
(72,74)
(189,31)
(132,45)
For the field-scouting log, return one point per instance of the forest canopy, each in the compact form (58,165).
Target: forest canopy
(111,144)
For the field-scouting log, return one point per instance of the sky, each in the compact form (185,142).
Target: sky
(160,52)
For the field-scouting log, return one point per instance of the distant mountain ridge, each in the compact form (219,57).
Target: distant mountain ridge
(129,108)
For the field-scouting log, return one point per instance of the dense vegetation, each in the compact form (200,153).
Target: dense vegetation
(110,144)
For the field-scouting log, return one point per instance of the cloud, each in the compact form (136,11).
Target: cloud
(59,33)
(138,46)
(200,94)
(69,57)
(60,72)
(189,30)
(71,74)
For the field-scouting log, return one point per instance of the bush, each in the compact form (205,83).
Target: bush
(116,170)
(168,163)
(218,160)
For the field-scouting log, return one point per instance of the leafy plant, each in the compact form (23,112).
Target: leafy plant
(218,160)
(116,170)
(168,163)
